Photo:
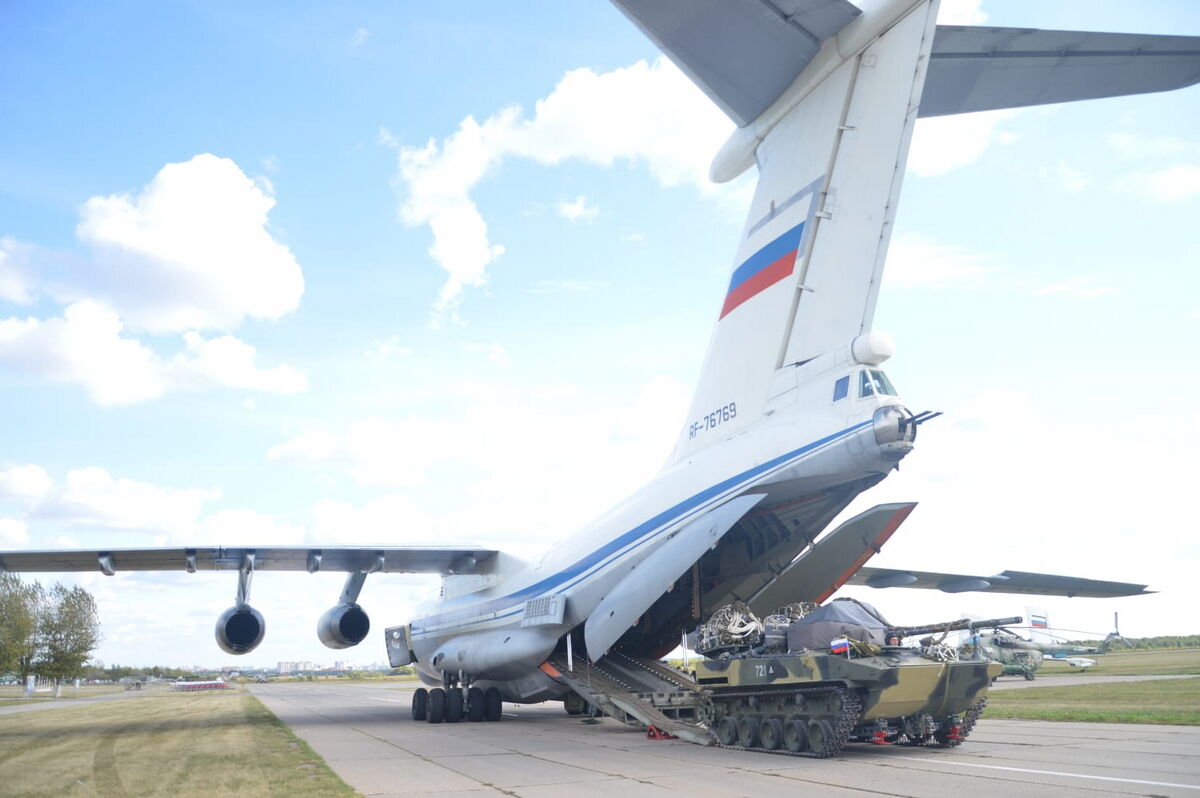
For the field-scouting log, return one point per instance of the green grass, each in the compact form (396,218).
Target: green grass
(160,744)
(1156,662)
(1171,701)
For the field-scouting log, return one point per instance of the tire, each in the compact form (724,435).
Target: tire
(491,704)
(1029,676)
(475,705)
(727,730)
(574,704)
(748,732)
(420,704)
(454,705)
(770,735)
(820,735)
(436,705)
(795,736)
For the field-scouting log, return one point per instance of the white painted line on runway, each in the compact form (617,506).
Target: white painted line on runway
(1069,775)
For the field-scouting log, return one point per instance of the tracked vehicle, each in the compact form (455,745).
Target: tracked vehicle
(802,686)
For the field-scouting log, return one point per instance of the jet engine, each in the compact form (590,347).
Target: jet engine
(343,625)
(240,629)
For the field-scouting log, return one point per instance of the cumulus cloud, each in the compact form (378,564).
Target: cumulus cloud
(647,113)
(16,285)
(86,347)
(961,12)
(496,354)
(190,251)
(944,143)
(13,532)
(916,260)
(27,484)
(577,210)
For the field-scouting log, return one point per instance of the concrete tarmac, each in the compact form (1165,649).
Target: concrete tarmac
(366,733)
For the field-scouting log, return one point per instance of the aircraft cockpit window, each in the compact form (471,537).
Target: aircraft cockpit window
(841,388)
(882,384)
(865,385)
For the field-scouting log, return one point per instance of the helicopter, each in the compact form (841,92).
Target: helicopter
(1023,657)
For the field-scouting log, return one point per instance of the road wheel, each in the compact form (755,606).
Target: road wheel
(820,735)
(1028,675)
(748,731)
(491,704)
(795,736)
(437,705)
(475,705)
(454,705)
(771,734)
(420,706)
(727,730)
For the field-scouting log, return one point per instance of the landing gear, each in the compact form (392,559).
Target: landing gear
(474,705)
(437,705)
(574,704)
(491,704)
(454,705)
(420,704)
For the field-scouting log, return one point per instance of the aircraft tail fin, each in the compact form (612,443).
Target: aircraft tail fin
(807,268)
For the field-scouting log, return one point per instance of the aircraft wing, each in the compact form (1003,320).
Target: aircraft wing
(741,53)
(983,69)
(1023,582)
(387,559)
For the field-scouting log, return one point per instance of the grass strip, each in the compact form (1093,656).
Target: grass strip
(160,745)
(1170,701)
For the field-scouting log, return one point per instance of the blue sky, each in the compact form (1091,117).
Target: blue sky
(225,316)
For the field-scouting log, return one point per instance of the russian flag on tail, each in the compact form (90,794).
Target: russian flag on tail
(763,269)
(1038,622)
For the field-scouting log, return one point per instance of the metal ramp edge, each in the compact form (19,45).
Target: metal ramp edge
(595,685)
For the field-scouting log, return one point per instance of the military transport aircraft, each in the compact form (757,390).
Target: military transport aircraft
(793,415)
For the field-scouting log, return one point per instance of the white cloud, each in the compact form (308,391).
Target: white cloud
(384,520)
(85,346)
(497,355)
(961,12)
(565,286)
(577,210)
(360,37)
(15,283)
(943,143)
(1066,178)
(1171,184)
(1081,287)
(915,260)
(92,495)
(1132,145)
(389,348)
(13,532)
(646,114)
(190,251)
(28,484)
(246,527)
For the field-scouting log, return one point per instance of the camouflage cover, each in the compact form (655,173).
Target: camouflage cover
(839,618)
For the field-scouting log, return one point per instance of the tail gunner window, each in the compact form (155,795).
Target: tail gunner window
(872,382)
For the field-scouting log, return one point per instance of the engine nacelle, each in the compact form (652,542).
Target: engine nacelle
(343,626)
(240,629)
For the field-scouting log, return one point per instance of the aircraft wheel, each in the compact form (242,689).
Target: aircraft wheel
(437,705)
(748,732)
(454,705)
(491,704)
(574,704)
(771,734)
(475,705)
(795,736)
(727,730)
(420,704)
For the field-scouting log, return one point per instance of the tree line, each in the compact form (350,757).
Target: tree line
(47,631)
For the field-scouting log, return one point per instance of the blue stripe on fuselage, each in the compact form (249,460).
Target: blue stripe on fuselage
(570,574)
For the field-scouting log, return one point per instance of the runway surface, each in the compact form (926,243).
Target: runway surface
(366,734)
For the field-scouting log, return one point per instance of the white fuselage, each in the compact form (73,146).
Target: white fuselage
(805,442)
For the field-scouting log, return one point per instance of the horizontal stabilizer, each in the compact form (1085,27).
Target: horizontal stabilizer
(984,69)
(395,559)
(1006,582)
(741,53)
(818,572)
